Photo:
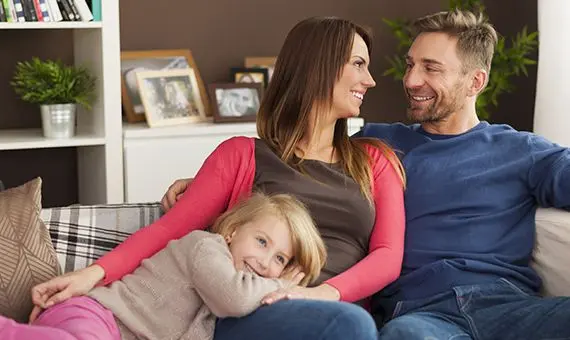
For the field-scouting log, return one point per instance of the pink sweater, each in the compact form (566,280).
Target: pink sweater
(226,176)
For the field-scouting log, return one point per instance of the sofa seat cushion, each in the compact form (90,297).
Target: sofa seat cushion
(552,251)
(82,234)
(27,256)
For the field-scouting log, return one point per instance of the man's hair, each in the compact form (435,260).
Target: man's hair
(476,37)
(309,250)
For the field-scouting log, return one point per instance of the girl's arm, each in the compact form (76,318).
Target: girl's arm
(217,182)
(225,290)
(383,263)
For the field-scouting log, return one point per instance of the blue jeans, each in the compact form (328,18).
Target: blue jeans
(498,310)
(300,319)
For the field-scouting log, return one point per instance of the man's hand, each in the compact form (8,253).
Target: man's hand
(174,192)
(63,287)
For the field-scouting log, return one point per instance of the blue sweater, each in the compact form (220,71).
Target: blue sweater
(470,205)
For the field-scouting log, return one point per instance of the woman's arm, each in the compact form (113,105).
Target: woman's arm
(225,290)
(213,188)
(383,263)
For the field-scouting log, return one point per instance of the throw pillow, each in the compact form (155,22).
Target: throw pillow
(27,256)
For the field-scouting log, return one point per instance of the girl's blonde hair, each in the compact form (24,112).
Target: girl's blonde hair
(309,250)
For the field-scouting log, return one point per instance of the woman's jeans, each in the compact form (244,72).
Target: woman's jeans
(299,320)
(498,310)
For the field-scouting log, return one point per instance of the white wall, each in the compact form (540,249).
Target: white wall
(552,107)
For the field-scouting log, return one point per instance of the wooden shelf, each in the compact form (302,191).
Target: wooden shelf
(50,25)
(20,139)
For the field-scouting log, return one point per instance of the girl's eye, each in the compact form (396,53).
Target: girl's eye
(281,259)
(261,241)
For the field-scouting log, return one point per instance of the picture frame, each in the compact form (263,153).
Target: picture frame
(250,75)
(261,62)
(153,60)
(235,102)
(171,97)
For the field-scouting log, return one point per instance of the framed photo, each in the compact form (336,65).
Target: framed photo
(250,75)
(235,102)
(261,62)
(133,62)
(170,97)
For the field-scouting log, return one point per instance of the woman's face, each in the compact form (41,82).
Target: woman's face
(353,83)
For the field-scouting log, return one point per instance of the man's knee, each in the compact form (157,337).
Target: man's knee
(419,326)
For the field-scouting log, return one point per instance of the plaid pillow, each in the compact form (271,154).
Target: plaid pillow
(82,234)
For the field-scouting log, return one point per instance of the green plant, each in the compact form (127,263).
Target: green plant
(52,82)
(509,59)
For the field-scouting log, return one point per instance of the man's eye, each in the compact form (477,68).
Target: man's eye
(261,241)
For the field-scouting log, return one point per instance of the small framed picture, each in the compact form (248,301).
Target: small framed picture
(235,102)
(170,97)
(250,75)
(261,62)
(133,62)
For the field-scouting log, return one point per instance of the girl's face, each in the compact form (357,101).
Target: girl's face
(262,246)
(354,81)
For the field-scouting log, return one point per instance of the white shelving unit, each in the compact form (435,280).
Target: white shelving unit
(99,132)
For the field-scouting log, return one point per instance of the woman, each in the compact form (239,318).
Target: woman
(353,188)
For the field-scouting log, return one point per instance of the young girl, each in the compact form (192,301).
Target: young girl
(261,245)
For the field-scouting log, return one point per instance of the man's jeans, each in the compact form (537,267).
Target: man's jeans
(498,310)
(300,320)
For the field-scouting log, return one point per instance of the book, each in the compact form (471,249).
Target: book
(96,9)
(19,8)
(55,13)
(83,9)
(38,10)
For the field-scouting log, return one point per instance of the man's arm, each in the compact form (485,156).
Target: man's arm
(549,173)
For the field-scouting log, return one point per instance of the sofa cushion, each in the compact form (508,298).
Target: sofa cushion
(552,251)
(81,234)
(27,256)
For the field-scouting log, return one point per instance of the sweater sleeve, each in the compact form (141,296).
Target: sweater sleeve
(383,263)
(549,173)
(204,200)
(226,291)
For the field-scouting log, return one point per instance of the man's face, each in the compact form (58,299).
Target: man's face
(436,85)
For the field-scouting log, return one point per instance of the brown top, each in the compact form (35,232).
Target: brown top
(166,296)
(342,214)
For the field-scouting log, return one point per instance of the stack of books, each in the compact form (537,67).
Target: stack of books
(49,10)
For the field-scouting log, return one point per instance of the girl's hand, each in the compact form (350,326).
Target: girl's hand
(322,292)
(66,286)
(293,275)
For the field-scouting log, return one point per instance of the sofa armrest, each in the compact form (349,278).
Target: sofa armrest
(552,251)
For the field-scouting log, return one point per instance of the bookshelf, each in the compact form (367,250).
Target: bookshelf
(98,140)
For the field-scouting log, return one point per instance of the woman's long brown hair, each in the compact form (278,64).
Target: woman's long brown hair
(308,67)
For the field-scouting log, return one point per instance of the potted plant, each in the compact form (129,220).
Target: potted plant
(58,89)
(510,59)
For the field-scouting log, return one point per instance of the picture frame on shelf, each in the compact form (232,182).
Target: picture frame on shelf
(171,97)
(261,62)
(235,102)
(133,62)
(250,75)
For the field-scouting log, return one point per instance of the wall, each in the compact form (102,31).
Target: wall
(220,34)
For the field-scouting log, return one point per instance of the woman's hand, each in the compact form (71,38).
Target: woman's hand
(63,287)
(175,190)
(322,292)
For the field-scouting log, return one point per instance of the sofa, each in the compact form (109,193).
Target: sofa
(81,234)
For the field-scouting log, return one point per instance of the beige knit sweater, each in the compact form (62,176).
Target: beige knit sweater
(179,292)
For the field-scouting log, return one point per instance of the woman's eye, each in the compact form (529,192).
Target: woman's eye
(359,63)
(261,241)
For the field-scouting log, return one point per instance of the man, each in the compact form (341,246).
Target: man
(471,199)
